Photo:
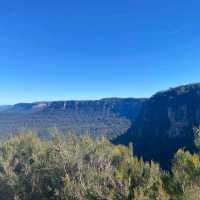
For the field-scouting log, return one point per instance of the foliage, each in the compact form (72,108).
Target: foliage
(81,168)
(75,168)
(185,181)
(197,137)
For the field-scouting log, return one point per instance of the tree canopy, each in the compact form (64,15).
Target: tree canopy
(82,168)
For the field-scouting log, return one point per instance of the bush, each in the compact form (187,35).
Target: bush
(75,168)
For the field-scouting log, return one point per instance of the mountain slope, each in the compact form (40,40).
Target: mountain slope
(107,117)
(4,107)
(165,124)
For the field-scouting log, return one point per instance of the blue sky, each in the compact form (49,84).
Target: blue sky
(55,50)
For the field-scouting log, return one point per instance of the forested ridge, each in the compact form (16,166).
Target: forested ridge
(81,168)
(106,117)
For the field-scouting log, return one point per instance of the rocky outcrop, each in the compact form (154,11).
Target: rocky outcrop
(165,123)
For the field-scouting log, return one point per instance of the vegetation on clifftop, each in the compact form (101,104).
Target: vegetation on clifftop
(81,168)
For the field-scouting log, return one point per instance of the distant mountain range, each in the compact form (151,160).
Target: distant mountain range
(157,126)
(5,107)
(107,117)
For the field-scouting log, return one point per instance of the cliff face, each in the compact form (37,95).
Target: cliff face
(165,124)
(106,117)
(173,113)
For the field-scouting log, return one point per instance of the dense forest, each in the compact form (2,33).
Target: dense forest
(106,117)
(81,168)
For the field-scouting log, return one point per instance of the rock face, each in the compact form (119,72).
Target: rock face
(165,124)
(106,117)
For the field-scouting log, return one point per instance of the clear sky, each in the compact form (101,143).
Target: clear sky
(88,49)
